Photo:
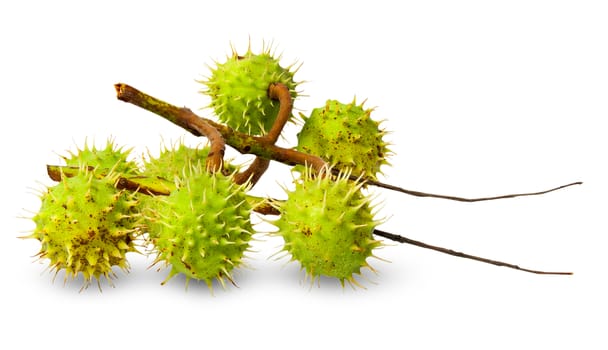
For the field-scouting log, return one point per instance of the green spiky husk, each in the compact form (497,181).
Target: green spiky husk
(239,91)
(173,164)
(104,160)
(202,229)
(346,137)
(86,225)
(327,226)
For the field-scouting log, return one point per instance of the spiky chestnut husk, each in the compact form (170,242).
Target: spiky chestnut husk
(111,158)
(327,225)
(173,164)
(202,229)
(346,137)
(86,225)
(239,90)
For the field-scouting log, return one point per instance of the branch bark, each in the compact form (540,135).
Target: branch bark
(254,172)
(258,167)
(461,199)
(281,93)
(243,143)
(183,117)
(401,239)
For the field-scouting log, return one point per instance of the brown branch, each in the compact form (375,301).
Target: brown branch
(215,157)
(183,117)
(141,184)
(280,92)
(243,143)
(254,172)
(401,239)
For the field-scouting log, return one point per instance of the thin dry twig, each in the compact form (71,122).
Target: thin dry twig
(401,239)
(462,199)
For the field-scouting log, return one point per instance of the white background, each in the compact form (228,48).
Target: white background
(482,98)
